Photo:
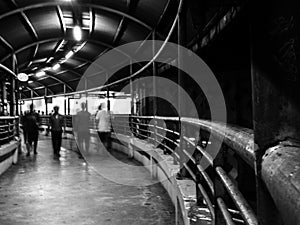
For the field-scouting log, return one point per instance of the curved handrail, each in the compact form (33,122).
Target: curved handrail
(241,140)
(238,139)
(8,128)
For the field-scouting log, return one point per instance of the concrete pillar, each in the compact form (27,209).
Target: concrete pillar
(275,83)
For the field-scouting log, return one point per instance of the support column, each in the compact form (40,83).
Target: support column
(65,111)
(181,33)
(12,110)
(4,97)
(86,93)
(130,145)
(154,74)
(131,91)
(17,98)
(275,84)
(46,100)
(181,42)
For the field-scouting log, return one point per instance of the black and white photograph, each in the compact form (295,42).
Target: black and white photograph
(149,112)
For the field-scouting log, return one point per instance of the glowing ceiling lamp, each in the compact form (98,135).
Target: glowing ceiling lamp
(69,54)
(56,66)
(77,33)
(40,73)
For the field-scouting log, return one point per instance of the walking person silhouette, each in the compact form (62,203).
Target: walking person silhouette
(82,128)
(31,125)
(56,123)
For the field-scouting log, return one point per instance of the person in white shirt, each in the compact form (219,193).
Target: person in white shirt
(103,121)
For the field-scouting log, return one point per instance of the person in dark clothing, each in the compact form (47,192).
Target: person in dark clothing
(82,128)
(31,125)
(56,123)
(23,126)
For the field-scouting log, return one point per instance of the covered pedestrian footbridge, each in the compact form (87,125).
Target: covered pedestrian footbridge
(204,104)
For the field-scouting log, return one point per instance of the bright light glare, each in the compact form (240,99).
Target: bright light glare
(77,33)
(56,67)
(69,54)
(41,73)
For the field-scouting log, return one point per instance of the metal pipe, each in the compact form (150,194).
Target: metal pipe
(238,199)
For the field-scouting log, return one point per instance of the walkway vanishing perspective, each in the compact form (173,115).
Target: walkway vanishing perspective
(41,190)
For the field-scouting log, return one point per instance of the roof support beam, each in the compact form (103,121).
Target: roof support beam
(21,49)
(27,21)
(57,47)
(120,31)
(32,90)
(61,19)
(43,86)
(90,5)
(25,47)
(59,80)
(8,45)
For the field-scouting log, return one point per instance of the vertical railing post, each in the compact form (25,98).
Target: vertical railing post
(130,145)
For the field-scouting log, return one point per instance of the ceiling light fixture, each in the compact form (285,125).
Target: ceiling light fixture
(40,73)
(69,54)
(77,33)
(30,82)
(56,66)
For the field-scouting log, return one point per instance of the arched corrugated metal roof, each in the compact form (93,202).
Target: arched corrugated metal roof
(39,34)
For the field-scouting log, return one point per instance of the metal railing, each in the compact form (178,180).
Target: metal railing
(8,129)
(68,122)
(214,155)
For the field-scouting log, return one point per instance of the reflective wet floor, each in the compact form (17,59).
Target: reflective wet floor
(41,190)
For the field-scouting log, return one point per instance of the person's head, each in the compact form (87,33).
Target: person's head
(99,107)
(83,106)
(31,107)
(103,105)
(55,108)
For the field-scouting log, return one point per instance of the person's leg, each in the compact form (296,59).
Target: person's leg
(102,138)
(80,140)
(29,143)
(59,137)
(36,138)
(25,139)
(87,141)
(108,139)
(99,141)
(53,142)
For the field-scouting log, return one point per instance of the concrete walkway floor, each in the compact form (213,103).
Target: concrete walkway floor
(41,190)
